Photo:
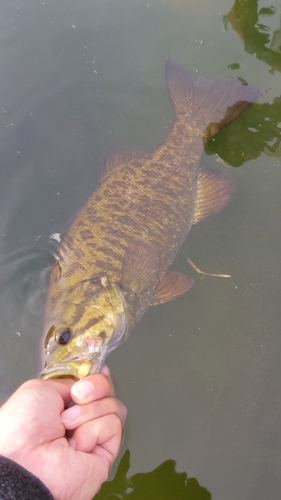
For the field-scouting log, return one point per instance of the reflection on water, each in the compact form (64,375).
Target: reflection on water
(263,134)
(162,483)
(24,279)
(259,39)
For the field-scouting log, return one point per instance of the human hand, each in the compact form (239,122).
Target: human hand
(35,427)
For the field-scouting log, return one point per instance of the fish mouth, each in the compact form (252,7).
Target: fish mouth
(58,372)
(76,368)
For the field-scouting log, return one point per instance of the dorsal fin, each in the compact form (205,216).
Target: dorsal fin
(118,160)
(140,265)
(214,191)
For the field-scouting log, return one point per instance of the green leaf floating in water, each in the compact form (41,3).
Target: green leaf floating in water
(261,127)
(163,483)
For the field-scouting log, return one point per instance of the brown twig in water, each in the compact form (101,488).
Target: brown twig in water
(207,274)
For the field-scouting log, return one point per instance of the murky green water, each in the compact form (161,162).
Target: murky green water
(201,375)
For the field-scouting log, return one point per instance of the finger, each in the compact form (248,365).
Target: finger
(105,432)
(79,414)
(60,386)
(63,387)
(92,388)
(105,371)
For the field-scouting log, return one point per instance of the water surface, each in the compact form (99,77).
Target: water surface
(201,375)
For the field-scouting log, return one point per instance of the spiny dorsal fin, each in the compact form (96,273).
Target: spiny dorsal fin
(118,160)
(214,191)
(172,285)
(140,265)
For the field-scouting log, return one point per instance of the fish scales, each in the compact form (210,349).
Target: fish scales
(114,261)
(148,180)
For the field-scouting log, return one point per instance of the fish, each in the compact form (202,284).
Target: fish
(114,261)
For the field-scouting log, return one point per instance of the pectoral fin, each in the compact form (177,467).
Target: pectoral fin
(172,285)
(214,191)
(140,265)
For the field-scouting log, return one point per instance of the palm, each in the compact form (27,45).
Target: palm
(71,471)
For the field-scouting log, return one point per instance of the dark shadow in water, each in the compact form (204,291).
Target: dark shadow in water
(163,483)
(245,20)
(261,134)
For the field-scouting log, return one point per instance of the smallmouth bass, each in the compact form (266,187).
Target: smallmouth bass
(114,261)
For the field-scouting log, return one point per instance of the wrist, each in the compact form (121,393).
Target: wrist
(16,482)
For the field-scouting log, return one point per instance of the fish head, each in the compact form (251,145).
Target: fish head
(90,322)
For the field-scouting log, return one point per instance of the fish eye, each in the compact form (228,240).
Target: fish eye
(63,336)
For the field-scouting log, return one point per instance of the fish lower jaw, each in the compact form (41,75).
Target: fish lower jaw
(58,372)
(76,368)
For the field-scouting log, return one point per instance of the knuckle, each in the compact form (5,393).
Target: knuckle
(115,406)
(116,423)
(122,410)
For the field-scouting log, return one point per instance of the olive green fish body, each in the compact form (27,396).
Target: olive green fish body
(157,206)
(113,262)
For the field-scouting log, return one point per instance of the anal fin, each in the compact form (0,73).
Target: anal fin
(214,191)
(172,285)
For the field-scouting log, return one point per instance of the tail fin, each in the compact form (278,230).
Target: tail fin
(215,103)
